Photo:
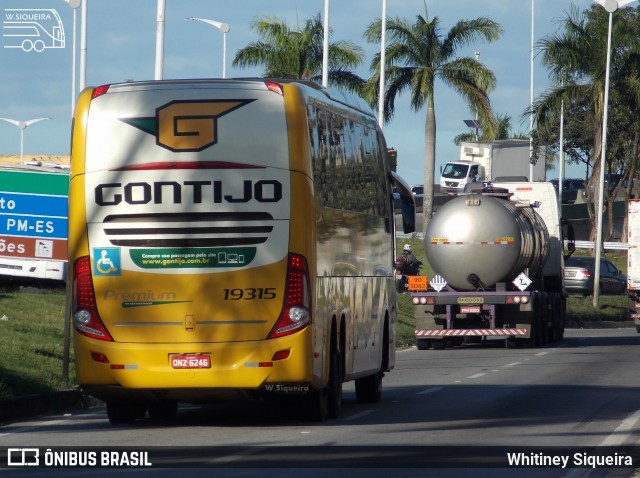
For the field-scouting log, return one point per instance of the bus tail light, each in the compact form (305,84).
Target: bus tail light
(85,313)
(99,91)
(296,306)
(275,87)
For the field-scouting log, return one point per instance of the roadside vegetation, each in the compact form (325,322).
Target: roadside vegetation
(31,341)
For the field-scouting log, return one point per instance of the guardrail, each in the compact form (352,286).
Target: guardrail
(618,246)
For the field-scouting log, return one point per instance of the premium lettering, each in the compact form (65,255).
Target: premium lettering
(195,192)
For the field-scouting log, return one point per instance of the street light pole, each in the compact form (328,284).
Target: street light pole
(22,125)
(73,4)
(325,46)
(224,28)
(610,6)
(383,41)
(561,157)
(83,45)
(159,40)
(531,97)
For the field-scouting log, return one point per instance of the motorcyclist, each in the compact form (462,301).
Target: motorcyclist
(410,264)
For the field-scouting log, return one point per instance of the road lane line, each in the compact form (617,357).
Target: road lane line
(429,390)
(236,456)
(541,353)
(358,415)
(477,375)
(512,364)
(620,434)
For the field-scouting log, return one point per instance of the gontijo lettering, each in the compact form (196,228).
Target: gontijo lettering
(195,192)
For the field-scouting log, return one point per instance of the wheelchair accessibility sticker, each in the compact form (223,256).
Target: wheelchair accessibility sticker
(106,261)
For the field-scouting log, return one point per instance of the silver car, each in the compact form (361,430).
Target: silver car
(579,272)
(418,196)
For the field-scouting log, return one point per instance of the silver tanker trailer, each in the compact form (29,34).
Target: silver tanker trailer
(497,256)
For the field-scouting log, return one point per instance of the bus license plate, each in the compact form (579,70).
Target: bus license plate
(469,309)
(190,360)
(417,283)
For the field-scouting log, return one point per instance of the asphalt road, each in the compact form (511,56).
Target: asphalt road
(439,408)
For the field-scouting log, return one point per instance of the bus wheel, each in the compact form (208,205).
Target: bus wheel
(334,392)
(318,405)
(121,412)
(369,388)
(314,405)
(141,410)
(165,410)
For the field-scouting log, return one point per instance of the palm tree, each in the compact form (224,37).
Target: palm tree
(417,54)
(292,53)
(576,59)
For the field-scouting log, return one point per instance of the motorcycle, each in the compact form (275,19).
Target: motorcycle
(403,269)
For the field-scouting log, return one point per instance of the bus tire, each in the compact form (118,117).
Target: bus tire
(121,412)
(369,388)
(314,405)
(334,387)
(165,410)
(318,405)
(141,411)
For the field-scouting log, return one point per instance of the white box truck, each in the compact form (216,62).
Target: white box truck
(484,161)
(633,260)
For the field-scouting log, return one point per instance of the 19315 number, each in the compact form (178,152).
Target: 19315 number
(250,293)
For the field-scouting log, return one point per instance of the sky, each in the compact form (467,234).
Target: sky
(121,45)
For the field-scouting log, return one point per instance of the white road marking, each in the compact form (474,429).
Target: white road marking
(236,456)
(477,375)
(512,364)
(620,434)
(429,390)
(359,415)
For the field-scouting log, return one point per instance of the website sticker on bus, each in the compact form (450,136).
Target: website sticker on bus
(198,257)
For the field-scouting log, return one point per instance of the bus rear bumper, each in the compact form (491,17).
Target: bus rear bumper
(109,370)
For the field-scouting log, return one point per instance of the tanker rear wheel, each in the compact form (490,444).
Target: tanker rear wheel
(423,344)
(543,320)
(537,334)
(511,343)
(438,344)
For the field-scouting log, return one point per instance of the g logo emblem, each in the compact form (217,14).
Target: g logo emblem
(186,125)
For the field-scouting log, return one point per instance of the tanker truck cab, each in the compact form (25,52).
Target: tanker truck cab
(456,175)
(497,259)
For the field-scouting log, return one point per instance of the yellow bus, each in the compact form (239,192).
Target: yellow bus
(230,238)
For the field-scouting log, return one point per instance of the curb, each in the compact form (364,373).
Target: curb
(33,405)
